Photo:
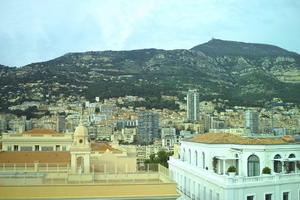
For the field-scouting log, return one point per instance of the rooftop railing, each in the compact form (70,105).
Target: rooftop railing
(60,173)
(237,180)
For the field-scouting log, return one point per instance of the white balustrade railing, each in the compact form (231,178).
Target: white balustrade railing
(34,167)
(226,180)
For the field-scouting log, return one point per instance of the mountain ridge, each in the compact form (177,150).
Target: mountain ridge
(219,47)
(253,78)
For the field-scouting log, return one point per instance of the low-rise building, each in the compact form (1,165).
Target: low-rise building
(96,171)
(204,162)
(37,140)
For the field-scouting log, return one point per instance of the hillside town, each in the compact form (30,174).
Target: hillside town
(149,100)
(101,141)
(149,131)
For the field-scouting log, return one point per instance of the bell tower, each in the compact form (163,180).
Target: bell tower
(80,150)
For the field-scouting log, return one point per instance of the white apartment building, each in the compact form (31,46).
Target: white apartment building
(200,168)
(192,105)
(169,137)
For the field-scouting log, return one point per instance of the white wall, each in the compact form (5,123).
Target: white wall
(200,182)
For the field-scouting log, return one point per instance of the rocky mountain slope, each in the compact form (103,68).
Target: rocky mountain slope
(244,73)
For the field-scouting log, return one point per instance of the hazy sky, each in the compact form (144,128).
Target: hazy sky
(39,30)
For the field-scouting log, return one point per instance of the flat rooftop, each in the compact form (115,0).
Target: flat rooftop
(90,191)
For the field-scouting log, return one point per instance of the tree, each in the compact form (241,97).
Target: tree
(161,157)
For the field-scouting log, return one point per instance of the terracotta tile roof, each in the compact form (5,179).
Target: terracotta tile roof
(103,146)
(41,131)
(288,138)
(227,138)
(30,157)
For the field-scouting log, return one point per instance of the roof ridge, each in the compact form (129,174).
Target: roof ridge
(228,138)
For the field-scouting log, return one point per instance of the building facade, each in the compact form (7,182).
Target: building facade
(3,125)
(192,98)
(37,140)
(86,171)
(251,121)
(202,165)
(148,127)
(169,138)
(61,123)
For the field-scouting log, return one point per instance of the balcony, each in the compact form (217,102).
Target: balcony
(236,181)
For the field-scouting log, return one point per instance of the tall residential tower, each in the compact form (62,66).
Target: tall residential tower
(251,121)
(193,105)
(148,127)
(61,123)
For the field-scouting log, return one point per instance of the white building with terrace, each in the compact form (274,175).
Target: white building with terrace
(265,168)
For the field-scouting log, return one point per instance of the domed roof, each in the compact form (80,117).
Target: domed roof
(81,131)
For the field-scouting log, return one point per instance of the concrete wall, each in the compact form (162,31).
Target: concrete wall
(134,191)
(110,162)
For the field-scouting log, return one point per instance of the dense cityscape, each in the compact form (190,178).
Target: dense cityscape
(150,100)
(141,134)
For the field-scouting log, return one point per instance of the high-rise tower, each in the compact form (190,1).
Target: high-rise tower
(251,121)
(60,123)
(148,127)
(193,105)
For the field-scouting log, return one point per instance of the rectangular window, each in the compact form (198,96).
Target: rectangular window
(26,148)
(285,196)
(16,148)
(47,148)
(251,197)
(268,196)
(36,147)
(9,148)
(57,147)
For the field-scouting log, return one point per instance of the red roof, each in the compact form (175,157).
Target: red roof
(227,138)
(103,146)
(40,131)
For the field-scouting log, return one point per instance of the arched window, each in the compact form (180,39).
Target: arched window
(292,156)
(196,158)
(277,163)
(253,166)
(190,157)
(291,165)
(203,160)
(80,164)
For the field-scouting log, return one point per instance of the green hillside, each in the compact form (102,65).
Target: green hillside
(243,73)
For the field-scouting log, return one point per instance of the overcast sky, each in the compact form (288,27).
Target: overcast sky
(40,30)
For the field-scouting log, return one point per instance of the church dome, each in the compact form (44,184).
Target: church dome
(81,131)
